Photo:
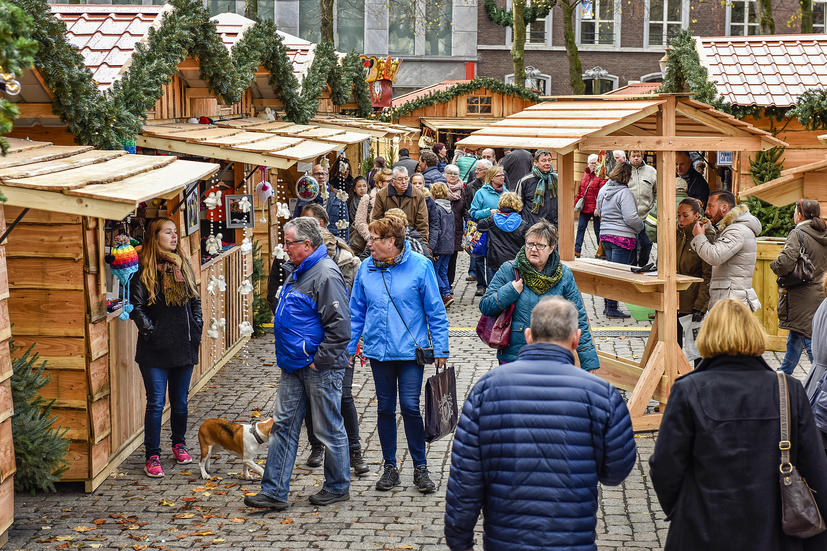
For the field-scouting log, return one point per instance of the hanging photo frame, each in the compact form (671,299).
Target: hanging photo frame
(192,210)
(240,212)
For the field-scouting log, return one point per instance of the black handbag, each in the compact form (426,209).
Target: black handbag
(800,516)
(441,412)
(803,271)
(424,355)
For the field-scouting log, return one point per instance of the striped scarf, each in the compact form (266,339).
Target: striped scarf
(545,181)
(540,282)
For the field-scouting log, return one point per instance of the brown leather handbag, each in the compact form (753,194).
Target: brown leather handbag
(800,516)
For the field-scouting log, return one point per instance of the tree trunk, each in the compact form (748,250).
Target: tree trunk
(250,9)
(575,68)
(806,15)
(326,8)
(518,43)
(765,20)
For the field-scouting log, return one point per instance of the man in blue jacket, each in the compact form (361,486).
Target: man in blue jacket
(312,329)
(534,439)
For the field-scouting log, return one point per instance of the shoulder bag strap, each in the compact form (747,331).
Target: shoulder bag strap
(390,296)
(784,410)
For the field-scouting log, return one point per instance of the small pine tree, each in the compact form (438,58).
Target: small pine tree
(775,221)
(39,447)
(261,310)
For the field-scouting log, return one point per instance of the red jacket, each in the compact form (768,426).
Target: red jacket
(591,197)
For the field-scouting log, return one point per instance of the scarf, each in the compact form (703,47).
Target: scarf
(544,181)
(173,284)
(455,190)
(384,264)
(540,282)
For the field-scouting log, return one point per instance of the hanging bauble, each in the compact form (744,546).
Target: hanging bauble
(307,188)
(124,264)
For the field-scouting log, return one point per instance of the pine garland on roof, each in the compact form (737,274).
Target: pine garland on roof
(442,96)
(17,51)
(108,119)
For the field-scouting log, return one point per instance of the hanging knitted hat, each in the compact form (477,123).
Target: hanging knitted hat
(124,264)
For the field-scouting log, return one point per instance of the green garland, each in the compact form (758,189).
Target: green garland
(394,113)
(505,18)
(17,51)
(811,110)
(117,115)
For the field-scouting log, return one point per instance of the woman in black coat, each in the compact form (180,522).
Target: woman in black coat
(506,231)
(716,462)
(167,311)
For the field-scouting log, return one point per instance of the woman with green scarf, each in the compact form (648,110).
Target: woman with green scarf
(540,274)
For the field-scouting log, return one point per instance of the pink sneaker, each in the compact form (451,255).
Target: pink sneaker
(181,454)
(153,468)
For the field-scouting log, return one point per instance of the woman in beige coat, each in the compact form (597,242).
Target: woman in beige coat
(359,238)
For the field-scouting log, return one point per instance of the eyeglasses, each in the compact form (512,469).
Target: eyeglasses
(373,238)
(539,247)
(401,179)
(288,243)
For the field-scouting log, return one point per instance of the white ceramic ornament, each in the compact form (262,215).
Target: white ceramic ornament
(245,288)
(342,224)
(213,200)
(212,332)
(279,252)
(245,329)
(342,195)
(244,204)
(246,245)
(213,244)
(282,210)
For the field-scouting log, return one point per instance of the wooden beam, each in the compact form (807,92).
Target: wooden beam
(709,120)
(58,202)
(674,143)
(207,151)
(36,111)
(650,378)
(565,201)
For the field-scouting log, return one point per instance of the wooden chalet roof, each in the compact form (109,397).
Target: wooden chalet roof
(277,144)
(765,70)
(373,127)
(635,89)
(566,123)
(89,182)
(789,186)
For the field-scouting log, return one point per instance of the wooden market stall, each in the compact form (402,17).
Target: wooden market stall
(59,198)
(664,124)
(7,461)
(448,110)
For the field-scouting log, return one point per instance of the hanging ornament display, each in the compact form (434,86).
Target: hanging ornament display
(307,188)
(245,329)
(123,259)
(340,180)
(213,200)
(264,190)
(244,205)
(282,210)
(246,245)
(213,244)
(216,285)
(279,252)
(245,288)
(217,326)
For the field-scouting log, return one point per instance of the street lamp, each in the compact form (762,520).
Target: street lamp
(596,74)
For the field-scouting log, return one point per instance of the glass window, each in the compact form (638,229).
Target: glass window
(665,20)
(479,104)
(402,31)
(599,86)
(819,17)
(597,22)
(310,14)
(438,27)
(743,18)
(266,9)
(350,25)
(536,31)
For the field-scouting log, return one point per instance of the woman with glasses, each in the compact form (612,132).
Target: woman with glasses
(395,305)
(535,273)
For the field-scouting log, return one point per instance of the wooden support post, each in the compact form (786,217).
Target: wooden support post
(565,206)
(667,246)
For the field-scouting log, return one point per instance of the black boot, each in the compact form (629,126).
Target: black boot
(390,478)
(422,480)
(316,456)
(358,463)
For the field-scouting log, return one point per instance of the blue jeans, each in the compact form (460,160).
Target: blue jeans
(796,342)
(644,248)
(408,376)
(321,389)
(479,271)
(349,415)
(156,380)
(441,266)
(582,225)
(621,256)
(472,270)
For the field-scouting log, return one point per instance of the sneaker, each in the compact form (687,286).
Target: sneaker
(576,254)
(390,478)
(423,481)
(263,501)
(448,300)
(326,498)
(470,278)
(316,456)
(358,463)
(153,468)
(181,454)
(480,292)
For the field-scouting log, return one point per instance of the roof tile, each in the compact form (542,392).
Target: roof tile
(765,70)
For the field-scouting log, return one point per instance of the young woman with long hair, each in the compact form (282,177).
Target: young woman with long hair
(168,315)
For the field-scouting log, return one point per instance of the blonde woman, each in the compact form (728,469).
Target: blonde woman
(168,315)
(506,231)
(716,460)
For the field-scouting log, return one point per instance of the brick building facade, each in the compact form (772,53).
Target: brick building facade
(629,42)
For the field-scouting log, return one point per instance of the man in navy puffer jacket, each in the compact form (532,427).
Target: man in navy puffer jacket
(534,439)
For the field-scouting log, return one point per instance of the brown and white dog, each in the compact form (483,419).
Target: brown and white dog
(241,439)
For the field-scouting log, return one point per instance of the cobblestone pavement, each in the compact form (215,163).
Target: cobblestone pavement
(181,511)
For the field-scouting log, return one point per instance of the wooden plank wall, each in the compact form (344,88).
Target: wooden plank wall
(177,102)
(7,464)
(804,146)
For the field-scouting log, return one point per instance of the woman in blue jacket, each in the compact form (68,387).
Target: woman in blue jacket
(541,274)
(395,305)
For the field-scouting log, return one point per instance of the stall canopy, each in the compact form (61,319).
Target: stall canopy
(84,181)
(375,128)
(455,123)
(593,123)
(276,144)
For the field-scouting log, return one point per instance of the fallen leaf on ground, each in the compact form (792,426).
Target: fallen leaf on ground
(45,527)
(188,499)
(99,521)
(184,515)
(133,527)
(202,533)
(219,540)
(65,538)
(95,545)
(238,519)
(83,528)
(166,503)
(255,414)
(185,473)
(139,547)
(287,521)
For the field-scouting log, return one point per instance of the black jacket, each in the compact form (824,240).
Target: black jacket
(696,185)
(516,164)
(715,465)
(168,336)
(468,193)
(408,163)
(504,240)
(549,209)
